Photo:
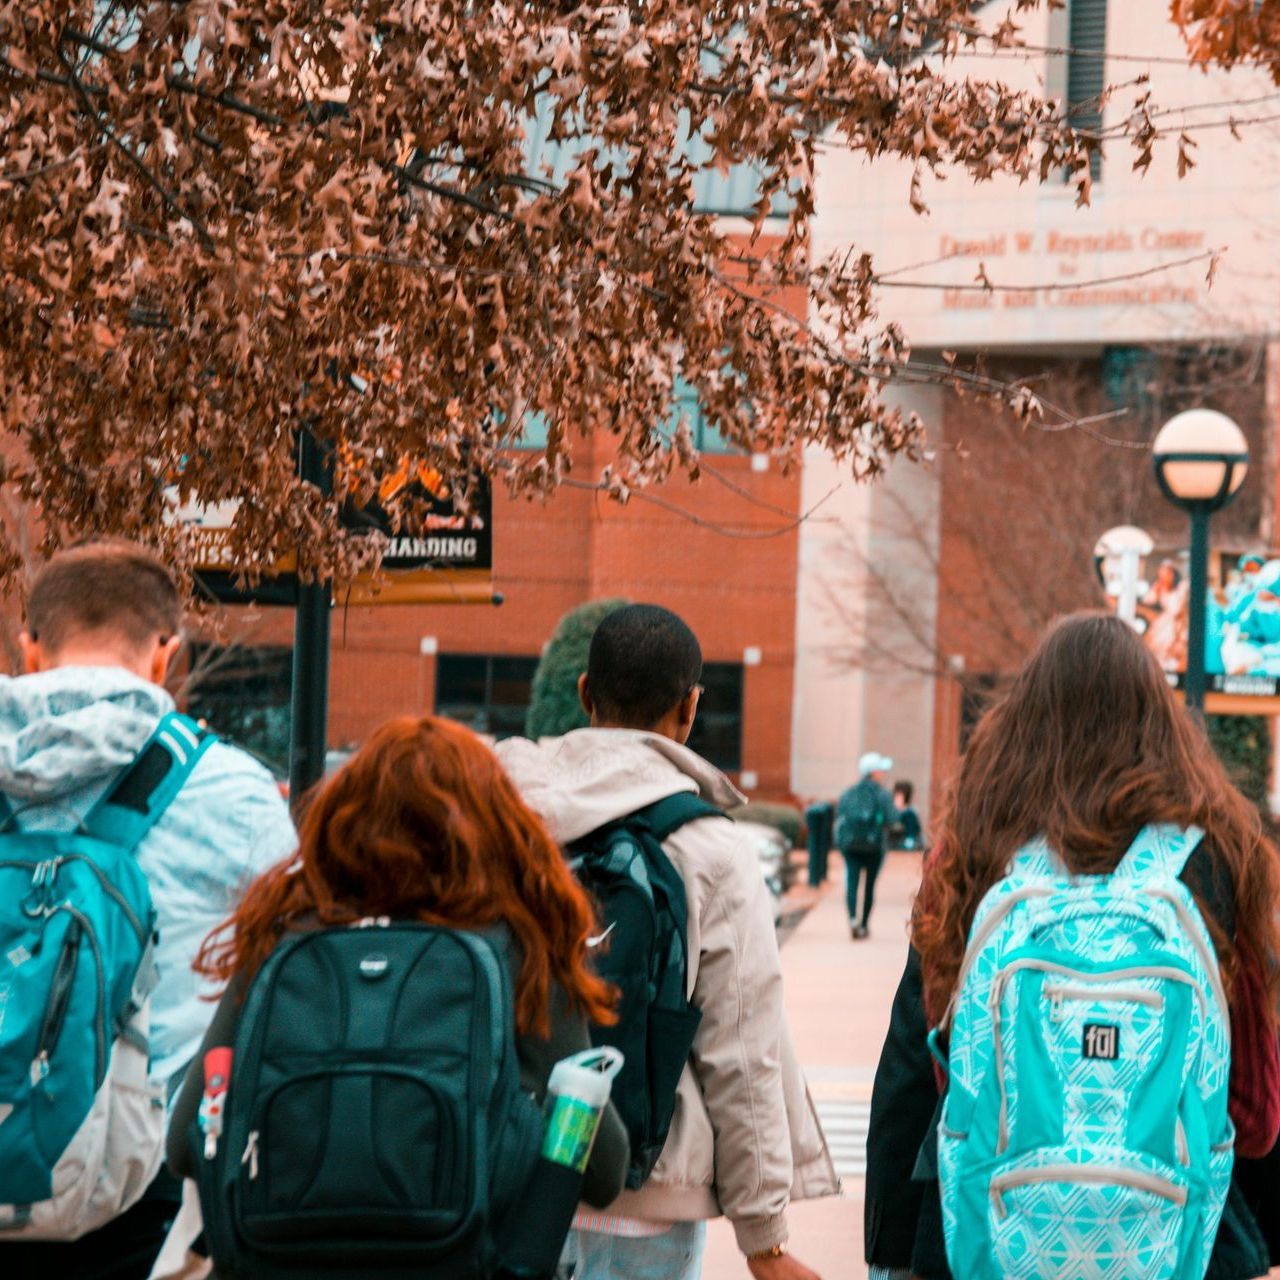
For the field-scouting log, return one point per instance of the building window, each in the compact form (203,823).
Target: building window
(717,732)
(489,693)
(684,403)
(1086,69)
(706,437)
(243,693)
(534,435)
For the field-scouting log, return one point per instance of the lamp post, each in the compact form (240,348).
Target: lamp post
(1201,460)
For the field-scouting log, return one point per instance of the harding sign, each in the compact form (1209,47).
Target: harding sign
(446,558)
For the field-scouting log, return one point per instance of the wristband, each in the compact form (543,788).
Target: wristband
(774,1251)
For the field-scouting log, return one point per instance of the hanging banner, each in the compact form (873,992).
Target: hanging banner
(445,558)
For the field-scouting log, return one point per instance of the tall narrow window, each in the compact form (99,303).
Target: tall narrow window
(1086,69)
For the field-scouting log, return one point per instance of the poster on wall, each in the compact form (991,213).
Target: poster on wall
(1242,625)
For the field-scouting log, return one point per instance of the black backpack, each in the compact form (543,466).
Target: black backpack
(374,1123)
(645,954)
(860,818)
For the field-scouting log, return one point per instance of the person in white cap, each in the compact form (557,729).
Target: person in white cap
(863,817)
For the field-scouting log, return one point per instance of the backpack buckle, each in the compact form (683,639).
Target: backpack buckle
(38,903)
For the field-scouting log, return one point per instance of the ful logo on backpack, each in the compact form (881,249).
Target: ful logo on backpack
(81,1124)
(1085,1129)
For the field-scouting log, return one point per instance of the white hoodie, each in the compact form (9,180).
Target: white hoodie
(745,1139)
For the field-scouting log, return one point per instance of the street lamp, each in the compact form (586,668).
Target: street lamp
(1201,460)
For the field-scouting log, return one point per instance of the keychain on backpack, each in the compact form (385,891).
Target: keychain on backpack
(217,1076)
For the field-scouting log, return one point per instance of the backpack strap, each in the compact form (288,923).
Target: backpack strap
(1036,859)
(134,803)
(667,816)
(1161,849)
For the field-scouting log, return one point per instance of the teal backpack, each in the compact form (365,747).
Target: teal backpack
(81,1123)
(1085,1129)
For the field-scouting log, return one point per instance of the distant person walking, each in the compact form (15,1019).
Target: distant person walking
(863,818)
(907,820)
(744,1140)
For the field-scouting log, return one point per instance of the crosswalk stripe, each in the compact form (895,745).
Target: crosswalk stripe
(845,1123)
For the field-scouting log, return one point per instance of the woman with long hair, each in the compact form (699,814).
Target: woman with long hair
(1088,747)
(422,825)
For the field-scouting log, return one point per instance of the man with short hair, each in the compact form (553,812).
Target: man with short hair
(102,627)
(745,1140)
(864,815)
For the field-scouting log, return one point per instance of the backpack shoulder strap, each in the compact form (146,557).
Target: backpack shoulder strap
(1036,859)
(1161,849)
(667,816)
(134,803)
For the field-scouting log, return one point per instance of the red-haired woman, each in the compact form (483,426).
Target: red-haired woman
(1088,747)
(422,825)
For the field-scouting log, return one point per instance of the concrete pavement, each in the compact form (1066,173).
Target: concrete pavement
(839,994)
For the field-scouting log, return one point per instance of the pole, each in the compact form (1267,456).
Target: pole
(1130,573)
(1197,601)
(309,707)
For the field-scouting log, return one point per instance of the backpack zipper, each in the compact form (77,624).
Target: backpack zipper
(1093,1175)
(1164,972)
(49,867)
(55,1010)
(1207,957)
(1058,995)
(250,1156)
(40,1064)
(983,936)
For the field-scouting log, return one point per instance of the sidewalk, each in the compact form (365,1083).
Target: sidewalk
(839,993)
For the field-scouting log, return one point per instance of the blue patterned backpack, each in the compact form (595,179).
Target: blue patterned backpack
(1085,1131)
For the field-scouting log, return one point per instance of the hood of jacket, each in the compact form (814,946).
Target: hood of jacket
(586,778)
(64,729)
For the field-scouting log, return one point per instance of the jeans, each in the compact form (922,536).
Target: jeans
(858,861)
(674,1255)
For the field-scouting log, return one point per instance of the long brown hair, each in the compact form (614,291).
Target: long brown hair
(423,824)
(1088,746)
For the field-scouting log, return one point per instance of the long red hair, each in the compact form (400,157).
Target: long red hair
(422,823)
(1087,748)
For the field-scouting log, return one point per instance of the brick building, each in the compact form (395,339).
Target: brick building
(721,551)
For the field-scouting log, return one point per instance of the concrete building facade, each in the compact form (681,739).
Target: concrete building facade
(1078,293)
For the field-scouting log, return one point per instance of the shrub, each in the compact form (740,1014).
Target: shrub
(781,817)
(554,707)
(1243,744)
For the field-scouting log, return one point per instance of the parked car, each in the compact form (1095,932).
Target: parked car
(775,860)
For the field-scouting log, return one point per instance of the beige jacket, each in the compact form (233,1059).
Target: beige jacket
(745,1139)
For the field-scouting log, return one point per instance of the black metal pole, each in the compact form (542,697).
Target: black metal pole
(1197,601)
(309,707)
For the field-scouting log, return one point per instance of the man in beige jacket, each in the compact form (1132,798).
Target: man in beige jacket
(745,1140)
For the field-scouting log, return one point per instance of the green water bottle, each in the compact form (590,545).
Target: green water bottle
(577,1094)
